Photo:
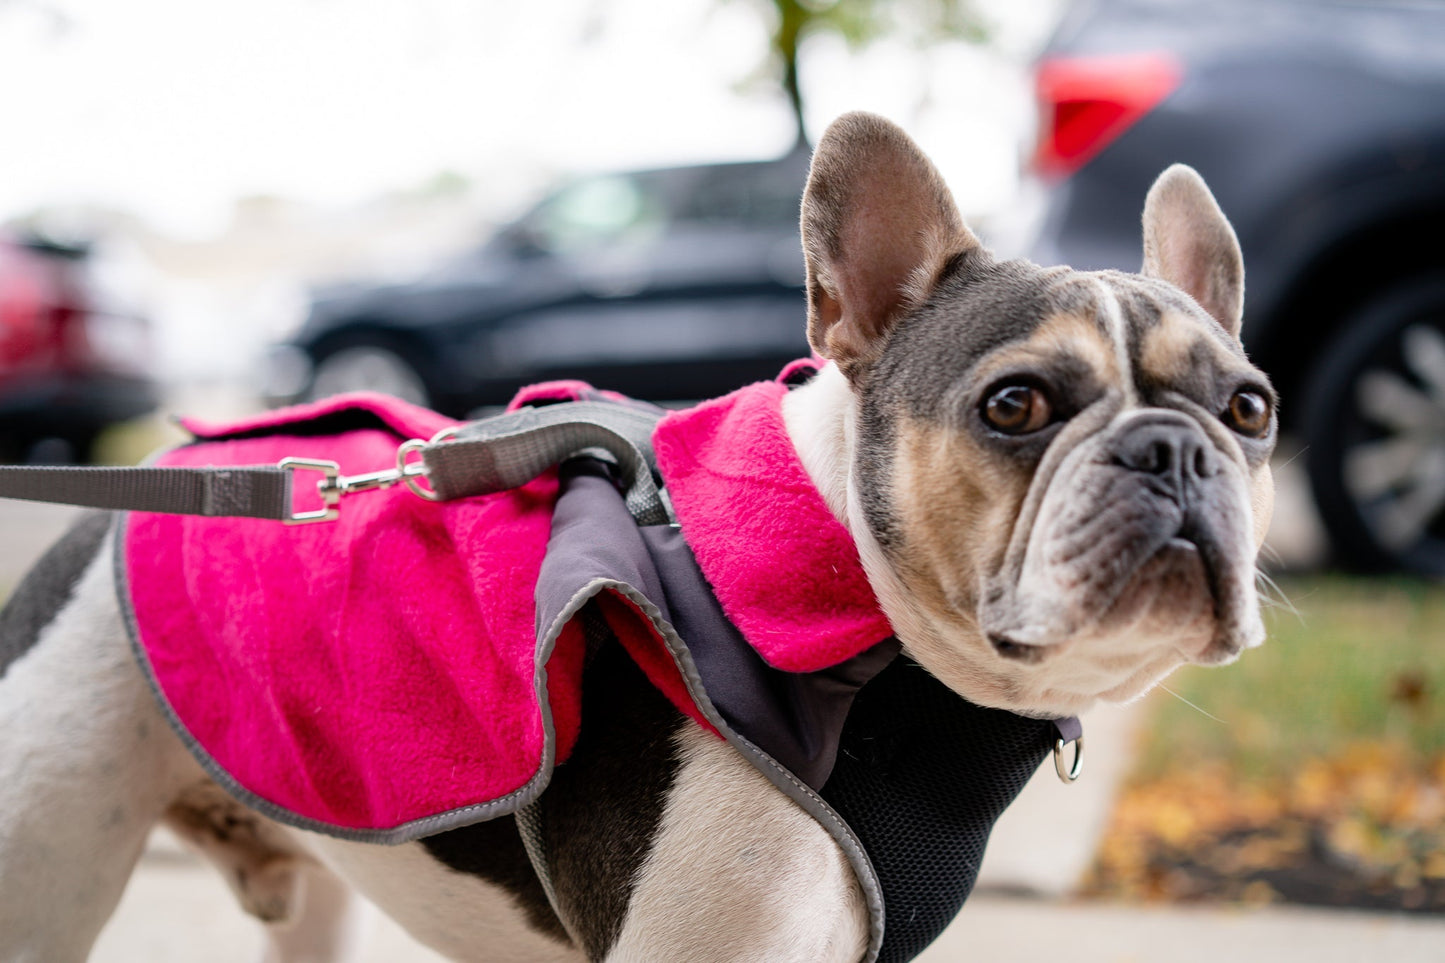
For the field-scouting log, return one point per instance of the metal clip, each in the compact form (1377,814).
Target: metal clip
(327,488)
(365,483)
(333,484)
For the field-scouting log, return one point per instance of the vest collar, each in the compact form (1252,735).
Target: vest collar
(785,570)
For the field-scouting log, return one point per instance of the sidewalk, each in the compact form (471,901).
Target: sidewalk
(178,911)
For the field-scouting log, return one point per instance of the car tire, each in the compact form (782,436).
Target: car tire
(368,366)
(1374,425)
(43,448)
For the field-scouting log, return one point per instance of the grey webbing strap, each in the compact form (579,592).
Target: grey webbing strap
(529,827)
(262,491)
(478,458)
(529,818)
(510,450)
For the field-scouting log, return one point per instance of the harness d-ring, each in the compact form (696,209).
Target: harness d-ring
(411,472)
(1069,772)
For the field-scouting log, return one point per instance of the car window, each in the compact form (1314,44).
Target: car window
(753,195)
(595,211)
(638,207)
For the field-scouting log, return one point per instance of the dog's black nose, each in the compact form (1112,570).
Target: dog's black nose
(1167,446)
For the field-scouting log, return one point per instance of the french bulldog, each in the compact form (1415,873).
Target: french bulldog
(1057,483)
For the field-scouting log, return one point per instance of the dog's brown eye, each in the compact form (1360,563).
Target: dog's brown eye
(1248,413)
(1017,410)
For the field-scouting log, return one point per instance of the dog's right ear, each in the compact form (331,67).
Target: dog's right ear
(879,228)
(1189,243)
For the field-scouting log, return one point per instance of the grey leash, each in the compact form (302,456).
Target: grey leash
(476,458)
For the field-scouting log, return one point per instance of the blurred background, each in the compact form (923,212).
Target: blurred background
(211,208)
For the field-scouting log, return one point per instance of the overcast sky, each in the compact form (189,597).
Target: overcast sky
(174,108)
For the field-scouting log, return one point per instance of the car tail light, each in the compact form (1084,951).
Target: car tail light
(27,338)
(1086,102)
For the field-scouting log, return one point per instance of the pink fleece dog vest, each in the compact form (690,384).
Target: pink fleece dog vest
(417,666)
(385,676)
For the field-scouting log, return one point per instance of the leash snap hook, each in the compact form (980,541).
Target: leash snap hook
(1069,771)
(333,484)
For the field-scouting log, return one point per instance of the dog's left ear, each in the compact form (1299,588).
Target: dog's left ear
(879,228)
(1189,243)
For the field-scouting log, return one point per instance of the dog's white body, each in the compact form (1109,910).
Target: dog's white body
(964,531)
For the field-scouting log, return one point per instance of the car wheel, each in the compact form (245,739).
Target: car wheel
(1375,427)
(368,367)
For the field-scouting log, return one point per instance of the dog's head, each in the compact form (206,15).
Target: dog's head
(1058,480)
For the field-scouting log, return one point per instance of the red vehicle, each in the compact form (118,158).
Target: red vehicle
(67,369)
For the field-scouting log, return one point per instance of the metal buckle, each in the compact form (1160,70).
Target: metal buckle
(327,488)
(1070,772)
(333,484)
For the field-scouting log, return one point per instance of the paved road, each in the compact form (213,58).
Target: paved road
(178,912)
(26,530)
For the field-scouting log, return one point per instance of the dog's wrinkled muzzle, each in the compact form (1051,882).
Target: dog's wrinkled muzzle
(1143,536)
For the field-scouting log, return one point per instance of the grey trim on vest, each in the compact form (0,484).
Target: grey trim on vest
(534,841)
(404,832)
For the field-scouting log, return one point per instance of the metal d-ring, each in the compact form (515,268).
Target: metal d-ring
(1069,772)
(411,472)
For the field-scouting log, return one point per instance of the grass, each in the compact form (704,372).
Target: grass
(1362,661)
(130,442)
(1313,771)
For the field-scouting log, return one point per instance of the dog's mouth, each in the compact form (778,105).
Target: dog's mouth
(1021,652)
(1174,592)
(1226,570)
(1187,592)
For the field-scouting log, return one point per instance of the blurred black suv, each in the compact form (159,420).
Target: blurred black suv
(671,284)
(1320,127)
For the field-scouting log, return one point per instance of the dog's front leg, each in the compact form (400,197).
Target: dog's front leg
(739,872)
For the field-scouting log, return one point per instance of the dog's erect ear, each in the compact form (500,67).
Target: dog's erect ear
(879,227)
(1189,243)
